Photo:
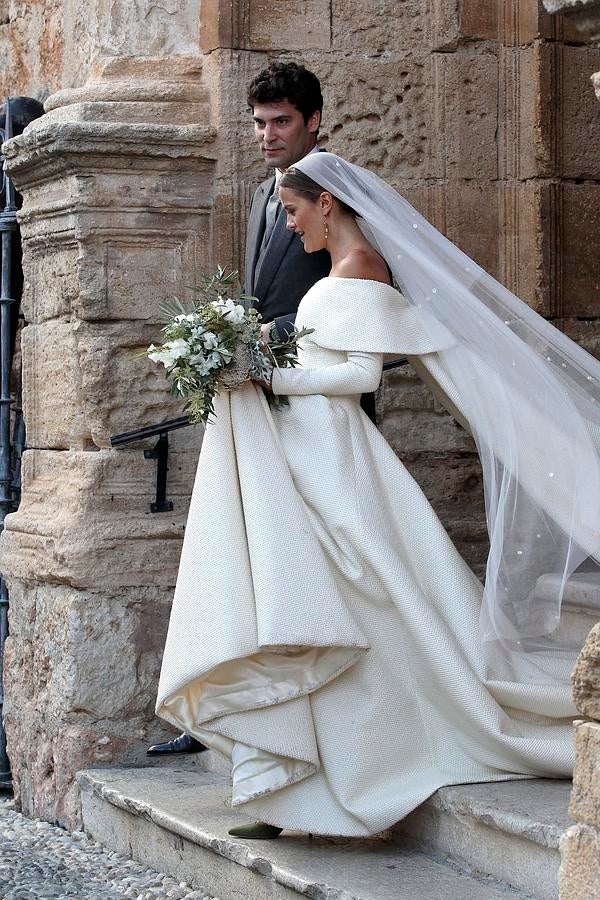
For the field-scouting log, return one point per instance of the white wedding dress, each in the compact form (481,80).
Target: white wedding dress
(325,631)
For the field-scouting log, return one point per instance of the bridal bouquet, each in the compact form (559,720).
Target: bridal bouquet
(217,346)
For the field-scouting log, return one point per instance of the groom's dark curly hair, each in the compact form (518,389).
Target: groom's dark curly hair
(287,81)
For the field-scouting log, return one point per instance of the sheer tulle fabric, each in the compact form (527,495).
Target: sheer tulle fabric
(531,398)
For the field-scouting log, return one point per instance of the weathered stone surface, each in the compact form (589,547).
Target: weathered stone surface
(256,25)
(510,831)
(369,28)
(84,519)
(580,125)
(580,224)
(580,19)
(379,113)
(529,244)
(584,332)
(183,821)
(472,216)
(530,113)
(46,45)
(32,48)
(586,677)
(82,673)
(467,95)
(585,798)
(113,271)
(579,875)
(414,421)
(77,378)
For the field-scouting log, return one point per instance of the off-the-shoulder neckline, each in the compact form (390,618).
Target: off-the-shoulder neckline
(349,278)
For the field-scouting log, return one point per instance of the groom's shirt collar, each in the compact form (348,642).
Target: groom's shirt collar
(279,172)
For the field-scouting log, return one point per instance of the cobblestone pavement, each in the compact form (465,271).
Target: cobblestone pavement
(39,861)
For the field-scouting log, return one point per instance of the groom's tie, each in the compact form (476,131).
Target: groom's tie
(270,217)
(271,212)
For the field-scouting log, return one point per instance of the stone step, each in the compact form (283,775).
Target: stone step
(509,831)
(177,820)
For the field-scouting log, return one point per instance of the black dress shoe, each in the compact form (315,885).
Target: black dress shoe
(185,743)
(257,831)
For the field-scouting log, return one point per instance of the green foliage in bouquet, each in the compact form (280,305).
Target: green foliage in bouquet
(217,345)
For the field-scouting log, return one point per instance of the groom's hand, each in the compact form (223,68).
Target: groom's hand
(265,332)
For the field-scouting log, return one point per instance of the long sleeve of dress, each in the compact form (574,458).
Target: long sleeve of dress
(360,374)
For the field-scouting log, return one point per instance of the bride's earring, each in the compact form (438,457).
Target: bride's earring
(326,229)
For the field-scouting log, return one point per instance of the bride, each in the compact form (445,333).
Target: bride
(326,636)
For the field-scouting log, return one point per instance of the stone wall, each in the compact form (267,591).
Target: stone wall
(584,13)
(141,172)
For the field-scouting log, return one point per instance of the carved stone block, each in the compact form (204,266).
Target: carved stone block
(414,421)
(579,874)
(586,680)
(258,25)
(473,220)
(580,125)
(385,25)
(525,233)
(379,113)
(78,378)
(85,521)
(580,225)
(466,90)
(585,798)
(512,23)
(82,672)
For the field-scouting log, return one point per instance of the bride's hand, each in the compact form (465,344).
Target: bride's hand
(265,332)
(265,382)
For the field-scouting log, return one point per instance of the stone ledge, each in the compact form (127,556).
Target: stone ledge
(124,138)
(183,816)
(582,590)
(535,809)
(566,7)
(508,830)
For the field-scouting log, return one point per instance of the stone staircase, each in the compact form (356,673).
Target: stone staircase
(471,842)
(467,842)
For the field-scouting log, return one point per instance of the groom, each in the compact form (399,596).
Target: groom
(286,104)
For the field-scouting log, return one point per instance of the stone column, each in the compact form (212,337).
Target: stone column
(119,182)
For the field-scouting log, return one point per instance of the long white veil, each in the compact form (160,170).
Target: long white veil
(531,397)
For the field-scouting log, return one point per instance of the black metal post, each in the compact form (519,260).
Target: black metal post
(160,452)
(8,226)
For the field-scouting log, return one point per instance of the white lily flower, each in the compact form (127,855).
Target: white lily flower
(234,312)
(210,340)
(169,352)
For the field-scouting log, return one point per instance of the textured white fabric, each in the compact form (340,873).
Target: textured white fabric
(324,633)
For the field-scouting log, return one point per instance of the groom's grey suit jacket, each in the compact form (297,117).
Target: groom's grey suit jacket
(285,272)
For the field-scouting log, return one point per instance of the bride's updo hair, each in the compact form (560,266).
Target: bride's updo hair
(297,181)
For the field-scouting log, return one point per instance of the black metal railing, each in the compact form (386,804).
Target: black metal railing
(8,227)
(18,113)
(160,451)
